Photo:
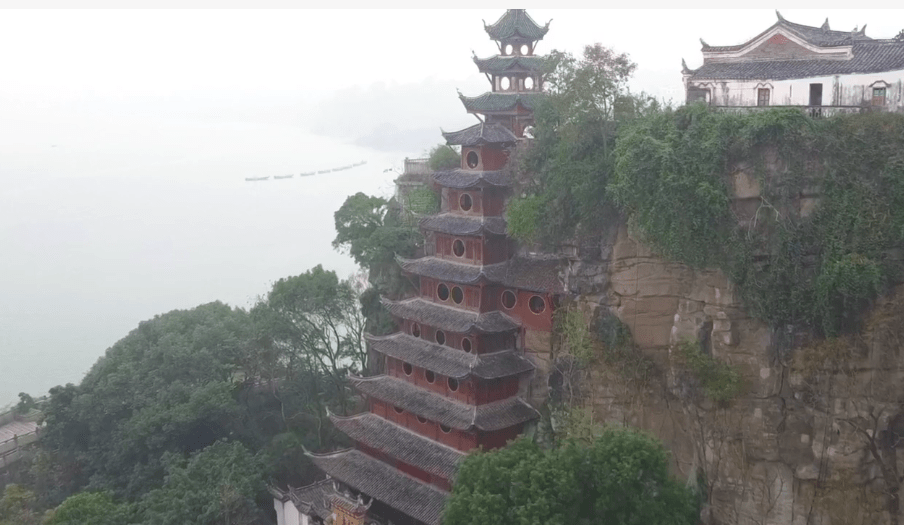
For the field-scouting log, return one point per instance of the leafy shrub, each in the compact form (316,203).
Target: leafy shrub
(444,157)
(523,218)
(720,381)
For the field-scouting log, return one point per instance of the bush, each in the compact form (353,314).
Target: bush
(720,381)
(444,157)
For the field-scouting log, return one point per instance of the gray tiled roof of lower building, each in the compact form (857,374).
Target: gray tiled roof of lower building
(460,225)
(450,319)
(465,179)
(314,498)
(374,478)
(400,443)
(447,361)
(500,102)
(875,56)
(480,134)
(443,410)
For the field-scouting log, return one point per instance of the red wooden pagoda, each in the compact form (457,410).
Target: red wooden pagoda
(455,373)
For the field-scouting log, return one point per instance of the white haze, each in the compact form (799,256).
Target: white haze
(126,135)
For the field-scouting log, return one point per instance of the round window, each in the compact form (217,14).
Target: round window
(466,345)
(442,291)
(508,299)
(429,376)
(508,49)
(397,410)
(453,384)
(529,83)
(445,429)
(473,159)
(537,304)
(421,420)
(465,201)
(440,337)
(505,83)
(458,247)
(407,369)
(524,49)
(457,295)
(415,329)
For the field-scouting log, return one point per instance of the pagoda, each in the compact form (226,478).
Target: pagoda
(457,371)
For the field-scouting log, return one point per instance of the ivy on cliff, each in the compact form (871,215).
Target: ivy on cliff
(821,268)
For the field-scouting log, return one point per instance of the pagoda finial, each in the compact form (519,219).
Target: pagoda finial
(825,25)
(703,42)
(779,15)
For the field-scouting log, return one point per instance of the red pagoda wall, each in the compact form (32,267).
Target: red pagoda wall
(478,250)
(480,343)
(470,391)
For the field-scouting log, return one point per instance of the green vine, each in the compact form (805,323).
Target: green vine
(720,381)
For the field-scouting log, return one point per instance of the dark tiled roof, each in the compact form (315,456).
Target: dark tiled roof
(415,498)
(314,499)
(464,179)
(460,225)
(493,102)
(499,63)
(450,319)
(516,23)
(818,36)
(480,134)
(400,443)
(526,273)
(445,411)
(873,56)
(447,361)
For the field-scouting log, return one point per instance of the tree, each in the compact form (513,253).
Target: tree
(442,157)
(96,508)
(17,506)
(574,133)
(621,477)
(371,232)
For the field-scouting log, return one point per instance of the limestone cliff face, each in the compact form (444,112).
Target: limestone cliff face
(812,437)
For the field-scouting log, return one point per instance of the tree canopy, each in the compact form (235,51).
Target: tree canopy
(620,478)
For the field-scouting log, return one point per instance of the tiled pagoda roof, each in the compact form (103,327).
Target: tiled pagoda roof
(500,102)
(415,498)
(450,319)
(461,225)
(400,443)
(870,56)
(465,179)
(480,134)
(516,23)
(449,362)
(443,410)
(526,273)
(502,63)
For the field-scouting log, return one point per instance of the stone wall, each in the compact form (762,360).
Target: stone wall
(795,446)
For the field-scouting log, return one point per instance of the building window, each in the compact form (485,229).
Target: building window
(473,159)
(508,299)
(458,248)
(453,384)
(442,292)
(397,410)
(815,94)
(465,202)
(429,376)
(421,420)
(445,429)
(407,369)
(457,295)
(415,329)
(440,337)
(537,304)
(762,97)
(878,96)
(466,345)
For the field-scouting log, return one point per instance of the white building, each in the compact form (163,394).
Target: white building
(796,65)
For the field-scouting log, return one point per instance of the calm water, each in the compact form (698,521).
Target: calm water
(107,221)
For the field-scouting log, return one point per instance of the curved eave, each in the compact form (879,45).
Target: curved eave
(488,417)
(452,224)
(516,24)
(480,135)
(510,64)
(490,103)
(452,363)
(469,179)
(379,480)
(450,319)
(436,268)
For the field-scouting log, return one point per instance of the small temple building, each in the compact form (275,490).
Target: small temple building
(791,64)
(457,373)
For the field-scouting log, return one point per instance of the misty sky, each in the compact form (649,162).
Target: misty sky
(125,137)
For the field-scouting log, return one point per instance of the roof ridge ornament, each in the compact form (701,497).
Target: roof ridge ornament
(780,17)
(825,25)
(703,42)
(684,67)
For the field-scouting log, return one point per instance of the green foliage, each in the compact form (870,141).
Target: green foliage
(370,232)
(442,157)
(619,350)
(96,508)
(26,403)
(621,475)
(423,201)
(821,268)
(720,381)
(571,326)
(522,216)
(17,506)
(216,485)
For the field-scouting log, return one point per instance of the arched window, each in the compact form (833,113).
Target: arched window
(445,429)
(505,83)
(407,368)
(466,345)
(415,329)
(398,410)
(453,384)
(440,337)
(421,420)
(458,247)
(529,83)
(473,159)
